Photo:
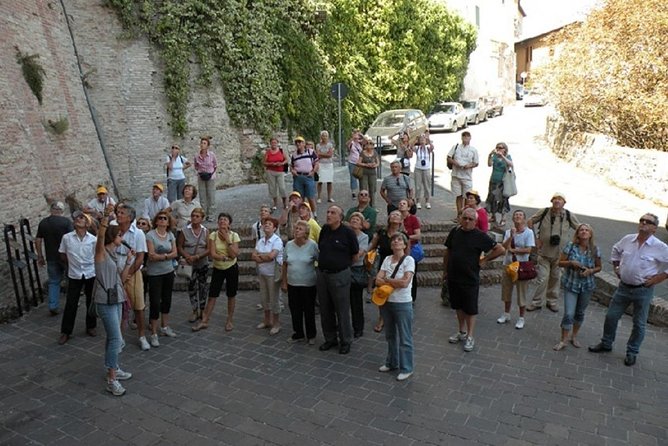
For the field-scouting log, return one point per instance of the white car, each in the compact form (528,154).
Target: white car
(534,98)
(447,116)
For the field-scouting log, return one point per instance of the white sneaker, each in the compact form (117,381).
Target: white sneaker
(383,368)
(167,331)
(457,337)
(404,376)
(505,318)
(121,375)
(259,307)
(469,344)
(115,388)
(144,343)
(318,200)
(520,323)
(428,205)
(419,206)
(154,340)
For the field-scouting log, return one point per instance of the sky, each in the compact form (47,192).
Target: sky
(545,15)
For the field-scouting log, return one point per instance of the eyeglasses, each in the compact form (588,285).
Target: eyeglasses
(196,215)
(162,217)
(647,222)
(141,223)
(363,194)
(468,219)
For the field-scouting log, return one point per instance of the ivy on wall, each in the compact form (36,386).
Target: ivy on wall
(276,63)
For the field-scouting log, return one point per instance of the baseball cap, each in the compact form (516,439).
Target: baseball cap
(159,186)
(57,206)
(558,195)
(101,190)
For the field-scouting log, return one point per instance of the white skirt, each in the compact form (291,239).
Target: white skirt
(326,173)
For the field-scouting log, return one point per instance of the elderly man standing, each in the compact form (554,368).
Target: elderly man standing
(552,234)
(50,232)
(395,187)
(461,270)
(338,251)
(135,240)
(641,262)
(463,158)
(156,202)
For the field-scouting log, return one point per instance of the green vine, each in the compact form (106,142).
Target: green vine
(33,73)
(58,127)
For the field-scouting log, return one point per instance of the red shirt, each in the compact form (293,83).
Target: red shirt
(275,157)
(411,224)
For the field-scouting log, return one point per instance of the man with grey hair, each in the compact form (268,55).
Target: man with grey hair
(641,262)
(50,232)
(338,248)
(395,187)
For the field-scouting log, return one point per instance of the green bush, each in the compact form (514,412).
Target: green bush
(33,73)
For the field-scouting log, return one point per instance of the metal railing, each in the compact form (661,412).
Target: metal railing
(21,257)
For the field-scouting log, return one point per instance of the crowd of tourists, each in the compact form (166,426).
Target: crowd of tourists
(122,258)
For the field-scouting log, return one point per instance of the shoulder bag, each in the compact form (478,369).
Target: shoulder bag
(509,186)
(449,162)
(524,270)
(183,269)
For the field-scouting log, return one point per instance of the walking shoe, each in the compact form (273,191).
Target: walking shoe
(318,200)
(428,205)
(143,343)
(311,341)
(121,375)
(598,348)
(520,323)
(154,341)
(419,206)
(455,338)
(533,307)
(259,307)
(63,338)
(553,308)
(469,344)
(384,368)
(330,200)
(274,330)
(167,331)
(630,359)
(115,388)
(404,376)
(294,339)
(504,319)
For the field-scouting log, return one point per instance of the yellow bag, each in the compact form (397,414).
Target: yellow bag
(369,259)
(381,294)
(512,270)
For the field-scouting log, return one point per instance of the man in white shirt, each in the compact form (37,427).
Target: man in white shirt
(463,157)
(175,164)
(77,250)
(156,202)
(640,261)
(95,207)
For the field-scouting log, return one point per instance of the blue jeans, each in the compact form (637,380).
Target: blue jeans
(304,184)
(354,182)
(111,319)
(55,271)
(640,298)
(575,305)
(398,318)
(175,189)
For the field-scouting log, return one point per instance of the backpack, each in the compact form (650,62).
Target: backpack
(167,168)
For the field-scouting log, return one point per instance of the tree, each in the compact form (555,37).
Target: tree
(611,75)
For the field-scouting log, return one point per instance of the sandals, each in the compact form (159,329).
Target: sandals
(229,326)
(559,347)
(379,327)
(576,343)
(200,326)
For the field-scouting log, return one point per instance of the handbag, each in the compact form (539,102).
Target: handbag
(358,172)
(183,269)
(417,252)
(278,271)
(509,186)
(521,270)
(359,276)
(448,161)
(205,176)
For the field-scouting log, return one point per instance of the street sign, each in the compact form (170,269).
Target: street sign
(339,91)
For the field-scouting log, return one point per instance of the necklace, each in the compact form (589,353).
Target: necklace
(161,235)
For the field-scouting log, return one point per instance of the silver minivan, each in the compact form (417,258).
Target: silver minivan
(389,124)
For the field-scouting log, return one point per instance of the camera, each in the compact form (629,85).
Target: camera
(555,240)
(112,295)
(423,162)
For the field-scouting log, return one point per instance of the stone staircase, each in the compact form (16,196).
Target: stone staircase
(430,270)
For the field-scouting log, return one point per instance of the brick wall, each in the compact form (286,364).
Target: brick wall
(125,88)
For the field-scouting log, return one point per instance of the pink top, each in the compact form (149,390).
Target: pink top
(206,163)
(483,220)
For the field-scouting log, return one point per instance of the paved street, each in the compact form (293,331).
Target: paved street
(244,387)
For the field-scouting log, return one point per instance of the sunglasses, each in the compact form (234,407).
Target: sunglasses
(142,223)
(363,194)
(647,222)
(162,217)
(468,218)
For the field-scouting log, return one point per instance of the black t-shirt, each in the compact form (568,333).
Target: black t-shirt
(51,230)
(337,248)
(385,243)
(464,249)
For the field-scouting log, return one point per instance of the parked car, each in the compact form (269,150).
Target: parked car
(475,111)
(447,116)
(390,123)
(534,98)
(494,107)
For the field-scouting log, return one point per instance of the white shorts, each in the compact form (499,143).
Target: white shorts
(459,186)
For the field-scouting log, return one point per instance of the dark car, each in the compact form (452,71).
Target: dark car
(476,111)
(494,107)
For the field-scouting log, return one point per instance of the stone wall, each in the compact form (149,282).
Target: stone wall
(641,172)
(123,79)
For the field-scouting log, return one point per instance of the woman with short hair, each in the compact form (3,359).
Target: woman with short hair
(369,161)
(275,163)
(499,160)
(358,273)
(206,165)
(192,245)
(183,207)
(325,151)
(299,280)
(268,255)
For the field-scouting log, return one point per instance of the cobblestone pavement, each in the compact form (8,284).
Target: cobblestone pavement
(245,387)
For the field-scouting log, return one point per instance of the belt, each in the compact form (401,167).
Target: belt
(303,173)
(628,285)
(332,271)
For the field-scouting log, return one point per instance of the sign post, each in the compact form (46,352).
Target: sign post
(339,91)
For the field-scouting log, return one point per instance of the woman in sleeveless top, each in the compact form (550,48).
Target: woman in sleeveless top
(193,246)
(109,296)
(369,161)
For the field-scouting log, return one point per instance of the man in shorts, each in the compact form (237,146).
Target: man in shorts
(133,238)
(461,270)
(464,157)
